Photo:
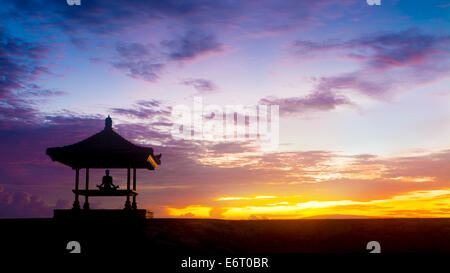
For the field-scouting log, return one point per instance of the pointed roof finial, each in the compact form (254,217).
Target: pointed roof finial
(108,123)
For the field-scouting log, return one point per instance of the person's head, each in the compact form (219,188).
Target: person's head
(107,172)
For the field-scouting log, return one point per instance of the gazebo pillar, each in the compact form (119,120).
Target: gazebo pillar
(86,197)
(76,203)
(134,204)
(128,203)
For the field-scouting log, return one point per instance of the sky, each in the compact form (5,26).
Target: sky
(362,93)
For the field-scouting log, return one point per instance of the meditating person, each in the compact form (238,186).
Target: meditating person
(107,182)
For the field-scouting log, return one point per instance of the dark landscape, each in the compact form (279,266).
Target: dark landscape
(220,237)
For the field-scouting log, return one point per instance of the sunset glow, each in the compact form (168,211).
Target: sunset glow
(432,203)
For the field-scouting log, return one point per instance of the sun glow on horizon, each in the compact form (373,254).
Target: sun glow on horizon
(431,203)
(190,211)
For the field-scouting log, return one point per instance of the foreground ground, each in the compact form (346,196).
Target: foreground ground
(199,236)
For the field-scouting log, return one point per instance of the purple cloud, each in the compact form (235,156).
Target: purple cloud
(145,110)
(382,50)
(196,19)
(317,101)
(357,81)
(24,205)
(201,85)
(193,44)
(147,61)
(21,63)
(80,43)
(105,16)
(386,58)
(139,60)
(398,49)
(307,48)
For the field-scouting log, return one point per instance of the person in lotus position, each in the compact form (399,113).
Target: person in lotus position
(107,183)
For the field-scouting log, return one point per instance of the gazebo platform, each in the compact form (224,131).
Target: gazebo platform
(101,214)
(106,192)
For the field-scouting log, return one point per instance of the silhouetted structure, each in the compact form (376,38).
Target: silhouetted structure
(106,149)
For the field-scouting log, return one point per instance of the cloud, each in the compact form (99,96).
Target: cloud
(398,49)
(443,6)
(425,166)
(147,61)
(387,59)
(191,45)
(357,81)
(308,48)
(190,211)
(24,205)
(139,60)
(80,43)
(145,109)
(390,61)
(106,17)
(317,101)
(21,64)
(382,50)
(193,27)
(201,85)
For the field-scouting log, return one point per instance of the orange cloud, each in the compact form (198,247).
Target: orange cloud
(228,198)
(190,211)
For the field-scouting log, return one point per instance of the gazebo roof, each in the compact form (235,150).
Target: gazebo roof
(106,149)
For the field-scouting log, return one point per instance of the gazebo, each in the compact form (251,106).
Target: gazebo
(105,150)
